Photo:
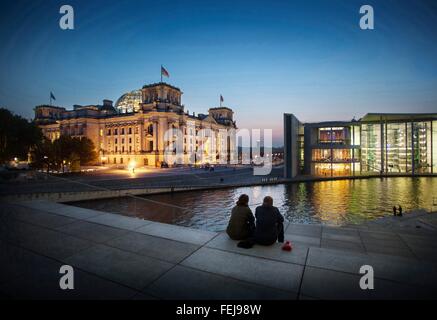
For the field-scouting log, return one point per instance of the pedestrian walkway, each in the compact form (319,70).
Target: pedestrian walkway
(119,257)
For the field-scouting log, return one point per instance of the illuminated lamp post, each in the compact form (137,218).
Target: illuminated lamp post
(132,166)
(103,160)
(46,159)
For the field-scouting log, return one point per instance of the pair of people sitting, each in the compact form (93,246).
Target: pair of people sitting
(269,226)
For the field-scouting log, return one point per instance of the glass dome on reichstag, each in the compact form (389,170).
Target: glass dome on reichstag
(129,102)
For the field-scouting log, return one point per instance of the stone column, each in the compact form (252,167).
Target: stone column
(162,127)
(140,136)
(155,136)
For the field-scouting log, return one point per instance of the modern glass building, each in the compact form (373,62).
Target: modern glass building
(377,144)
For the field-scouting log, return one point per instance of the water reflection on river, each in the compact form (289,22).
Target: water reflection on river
(331,202)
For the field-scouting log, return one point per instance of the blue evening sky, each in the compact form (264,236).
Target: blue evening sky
(308,57)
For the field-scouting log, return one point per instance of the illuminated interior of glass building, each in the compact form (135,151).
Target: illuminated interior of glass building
(377,144)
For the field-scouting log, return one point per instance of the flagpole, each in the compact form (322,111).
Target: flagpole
(50,99)
(161,73)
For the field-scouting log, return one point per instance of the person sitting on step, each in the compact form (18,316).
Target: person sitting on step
(269,223)
(242,223)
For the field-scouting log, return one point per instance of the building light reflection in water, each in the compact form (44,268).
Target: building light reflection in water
(332,202)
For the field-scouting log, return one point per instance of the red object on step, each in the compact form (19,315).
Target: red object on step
(287,246)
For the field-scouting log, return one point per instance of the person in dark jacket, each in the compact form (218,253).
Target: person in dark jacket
(269,224)
(242,223)
(400,211)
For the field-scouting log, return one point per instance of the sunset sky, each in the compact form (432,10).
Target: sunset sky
(308,57)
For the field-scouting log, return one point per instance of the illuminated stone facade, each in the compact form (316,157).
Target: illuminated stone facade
(134,129)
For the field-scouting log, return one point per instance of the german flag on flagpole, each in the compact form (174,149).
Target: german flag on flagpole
(164,73)
(52,97)
(221,100)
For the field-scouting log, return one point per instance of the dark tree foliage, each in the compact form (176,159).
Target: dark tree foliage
(64,151)
(86,151)
(42,154)
(17,136)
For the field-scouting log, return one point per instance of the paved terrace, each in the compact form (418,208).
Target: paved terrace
(118,257)
(113,179)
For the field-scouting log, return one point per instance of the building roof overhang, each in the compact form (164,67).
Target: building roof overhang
(370,117)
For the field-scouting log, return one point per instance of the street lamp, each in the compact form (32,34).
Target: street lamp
(48,164)
(103,160)
(132,166)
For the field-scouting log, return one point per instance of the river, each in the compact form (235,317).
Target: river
(331,202)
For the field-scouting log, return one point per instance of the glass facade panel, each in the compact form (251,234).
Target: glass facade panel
(429,146)
(322,155)
(301,146)
(323,169)
(339,135)
(356,155)
(371,148)
(341,169)
(408,148)
(396,150)
(356,135)
(356,167)
(422,147)
(336,135)
(334,162)
(324,135)
(332,169)
(434,147)
(342,155)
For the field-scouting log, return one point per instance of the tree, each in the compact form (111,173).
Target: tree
(17,136)
(66,150)
(86,151)
(43,154)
